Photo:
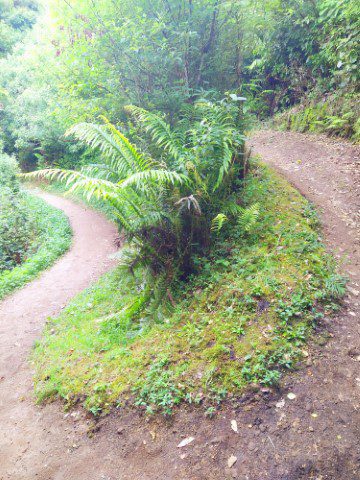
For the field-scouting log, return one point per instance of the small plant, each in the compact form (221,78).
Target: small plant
(158,392)
(248,217)
(259,369)
(298,305)
(335,286)
(210,412)
(239,329)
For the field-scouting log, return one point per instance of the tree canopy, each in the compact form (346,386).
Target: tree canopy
(85,58)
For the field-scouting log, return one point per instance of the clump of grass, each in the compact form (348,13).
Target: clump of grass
(243,319)
(51,238)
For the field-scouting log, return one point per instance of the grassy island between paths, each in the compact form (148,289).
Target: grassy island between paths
(243,319)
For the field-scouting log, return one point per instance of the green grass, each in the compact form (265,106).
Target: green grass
(244,319)
(52,239)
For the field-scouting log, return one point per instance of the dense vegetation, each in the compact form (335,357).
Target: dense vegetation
(16,19)
(32,234)
(169,197)
(144,106)
(85,59)
(16,224)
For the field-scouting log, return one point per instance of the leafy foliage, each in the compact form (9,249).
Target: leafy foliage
(82,60)
(158,391)
(165,206)
(32,234)
(52,239)
(17,229)
(16,18)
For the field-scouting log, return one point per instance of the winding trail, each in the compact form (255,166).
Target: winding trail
(24,427)
(315,436)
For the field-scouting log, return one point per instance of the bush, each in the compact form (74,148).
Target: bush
(32,234)
(17,228)
(173,196)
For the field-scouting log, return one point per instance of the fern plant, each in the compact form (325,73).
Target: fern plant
(165,196)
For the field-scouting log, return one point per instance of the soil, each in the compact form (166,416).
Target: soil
(314,434)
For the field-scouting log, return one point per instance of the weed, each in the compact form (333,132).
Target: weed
(210,412)
(335,286)
(158,392)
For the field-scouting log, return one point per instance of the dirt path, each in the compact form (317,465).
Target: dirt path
(26,429)
(314,436)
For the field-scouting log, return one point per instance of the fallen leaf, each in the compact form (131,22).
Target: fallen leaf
(234,426)
(186,441)
(231,461)
(291,396)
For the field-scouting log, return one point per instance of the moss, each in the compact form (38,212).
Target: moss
(242,320)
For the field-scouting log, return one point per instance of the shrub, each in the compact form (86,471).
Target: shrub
(32,234)
(167,196)
(8,172)
(17,228)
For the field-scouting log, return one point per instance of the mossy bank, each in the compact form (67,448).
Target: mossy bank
(337,114)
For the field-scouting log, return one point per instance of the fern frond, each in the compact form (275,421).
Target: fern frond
(150,219)
(159,130)
(77,181)
(226,161)
(130,258)
(126,204)
(248,217)
(218,222)
(194,174)
(115,147)
(231,208)
(101,170)
(128,150)
(141,179)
